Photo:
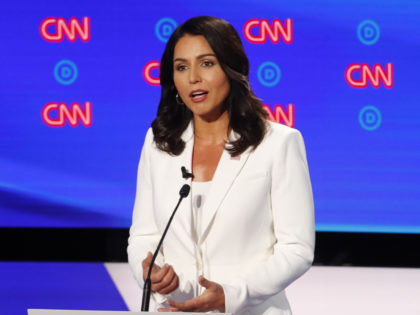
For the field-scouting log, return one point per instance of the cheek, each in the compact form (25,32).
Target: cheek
(225,87)
(222,84)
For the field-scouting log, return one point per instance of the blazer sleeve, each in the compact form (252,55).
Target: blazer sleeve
(144,234)
(293,220)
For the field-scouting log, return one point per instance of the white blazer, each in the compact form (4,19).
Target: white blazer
(257,221)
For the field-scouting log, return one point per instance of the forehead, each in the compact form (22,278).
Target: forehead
(191,46)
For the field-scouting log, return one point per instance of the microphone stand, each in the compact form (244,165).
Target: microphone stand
(185,190)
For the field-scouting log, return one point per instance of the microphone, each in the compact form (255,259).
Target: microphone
(185,190)
(185,173)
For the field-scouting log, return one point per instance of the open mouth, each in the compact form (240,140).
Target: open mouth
(198,95)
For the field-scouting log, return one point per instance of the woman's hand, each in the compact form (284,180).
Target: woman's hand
(164,280)
(213,298)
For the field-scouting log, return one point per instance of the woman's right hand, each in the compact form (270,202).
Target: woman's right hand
(164,280)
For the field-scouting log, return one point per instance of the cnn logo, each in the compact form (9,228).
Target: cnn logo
(56,114)
(281,115)
(257,31)
(359,75)
(152,66)
(56,29)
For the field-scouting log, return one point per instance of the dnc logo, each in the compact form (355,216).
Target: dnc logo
(269,74)
(368,32)
(164,29)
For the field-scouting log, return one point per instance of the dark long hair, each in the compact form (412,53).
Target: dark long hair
(246,114)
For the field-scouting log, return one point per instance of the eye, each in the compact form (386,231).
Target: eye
(180,67)
(207,63)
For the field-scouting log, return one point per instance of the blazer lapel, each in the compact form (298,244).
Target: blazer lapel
(183,218)
(226,172)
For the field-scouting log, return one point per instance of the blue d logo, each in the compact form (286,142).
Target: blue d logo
(370,118)
(269,74)
(368,32)
(164,28)
(65,72)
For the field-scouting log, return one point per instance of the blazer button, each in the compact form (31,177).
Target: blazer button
(198,265)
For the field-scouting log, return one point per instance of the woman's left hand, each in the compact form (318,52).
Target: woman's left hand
(213,298)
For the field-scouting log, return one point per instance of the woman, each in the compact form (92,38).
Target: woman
(246,231)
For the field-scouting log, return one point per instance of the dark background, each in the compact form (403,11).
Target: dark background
(109,245)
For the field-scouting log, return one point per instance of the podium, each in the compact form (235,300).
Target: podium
(76,312)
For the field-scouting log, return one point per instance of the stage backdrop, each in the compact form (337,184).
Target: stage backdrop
(79,87)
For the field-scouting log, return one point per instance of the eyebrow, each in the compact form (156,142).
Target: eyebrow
(198,57)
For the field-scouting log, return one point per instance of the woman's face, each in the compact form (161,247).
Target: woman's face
(199,78)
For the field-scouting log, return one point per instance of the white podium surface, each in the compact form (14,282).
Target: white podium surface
(356,290)
(77,312)
(321,291)
(324,290)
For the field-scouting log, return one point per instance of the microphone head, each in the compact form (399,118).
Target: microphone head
(185,190)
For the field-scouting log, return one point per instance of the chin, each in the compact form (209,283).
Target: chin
(209,116)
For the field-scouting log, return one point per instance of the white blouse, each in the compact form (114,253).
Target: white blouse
(199,191)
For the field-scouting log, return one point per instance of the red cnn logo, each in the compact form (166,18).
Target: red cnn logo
(147,72)
(375,76)
(280,115)
(275,32)
(70,29)
(63,113)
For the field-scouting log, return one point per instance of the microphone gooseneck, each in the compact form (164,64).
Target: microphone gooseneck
(185,190)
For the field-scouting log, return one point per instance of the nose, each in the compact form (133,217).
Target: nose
(194,75)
